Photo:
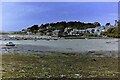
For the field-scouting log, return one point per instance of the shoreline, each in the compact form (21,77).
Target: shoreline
(103,48)
(40,61)
(45,37)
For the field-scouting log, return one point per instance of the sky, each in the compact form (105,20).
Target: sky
(21,15)
(60,0)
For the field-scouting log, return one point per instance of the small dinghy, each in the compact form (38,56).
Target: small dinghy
(10,44)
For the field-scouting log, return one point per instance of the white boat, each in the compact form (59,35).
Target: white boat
(10,44)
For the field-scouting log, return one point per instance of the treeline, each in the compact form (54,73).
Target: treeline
(113,32)
(72,24)
(3,33)
(49,27)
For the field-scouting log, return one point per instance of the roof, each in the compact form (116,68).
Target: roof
(56,30)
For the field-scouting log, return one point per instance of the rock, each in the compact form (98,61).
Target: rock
(91,51)
(77,74)
(94,59)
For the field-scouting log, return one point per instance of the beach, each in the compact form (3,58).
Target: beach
(103,46)
(59,40)
(62,58)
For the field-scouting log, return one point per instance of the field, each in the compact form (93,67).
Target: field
(58,66)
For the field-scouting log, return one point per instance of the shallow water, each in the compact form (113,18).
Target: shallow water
(74,45)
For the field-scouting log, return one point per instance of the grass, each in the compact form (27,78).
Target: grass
(58,66)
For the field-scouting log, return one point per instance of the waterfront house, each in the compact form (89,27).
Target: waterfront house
(68,31)
(90,30)
(73,33)
(99,29)
(81,31)
(76,32)
(55,32)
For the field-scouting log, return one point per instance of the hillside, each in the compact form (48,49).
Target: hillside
(48,28)
(113,32)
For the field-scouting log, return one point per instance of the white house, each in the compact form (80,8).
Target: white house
(76,32)
(116,23)
(66,29)
(90,30)
(96,31)
(55,32)
(82,31)
(48,27)
(99,29)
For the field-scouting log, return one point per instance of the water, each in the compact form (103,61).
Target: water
(74,45)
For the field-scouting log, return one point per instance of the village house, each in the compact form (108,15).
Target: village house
(70,31)
(55,33)
(99,29)
(96,31)
(116,23)
(48,27)
(90,30)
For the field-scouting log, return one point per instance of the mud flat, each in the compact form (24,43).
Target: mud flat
(40,59)
(35,49)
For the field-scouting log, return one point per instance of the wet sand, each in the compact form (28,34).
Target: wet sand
(35,49)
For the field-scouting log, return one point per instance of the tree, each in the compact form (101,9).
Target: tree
(97,24)
(107,24)
(24,31)
(92,30)
(33,29)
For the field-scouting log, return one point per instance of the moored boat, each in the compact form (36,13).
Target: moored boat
(10,44)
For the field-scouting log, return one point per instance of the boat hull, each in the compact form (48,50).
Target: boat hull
(9,45)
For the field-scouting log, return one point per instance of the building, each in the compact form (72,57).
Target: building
(116,23)
(99,29)
(55,32)
(90,30)
(48,27)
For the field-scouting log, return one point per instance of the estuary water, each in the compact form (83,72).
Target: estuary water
(70,45)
